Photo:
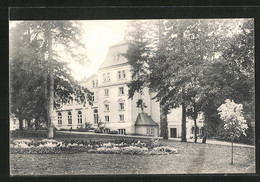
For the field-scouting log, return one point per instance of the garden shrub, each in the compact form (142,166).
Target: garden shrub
(98,130)
(113,132)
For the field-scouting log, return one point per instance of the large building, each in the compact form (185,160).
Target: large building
(112,106)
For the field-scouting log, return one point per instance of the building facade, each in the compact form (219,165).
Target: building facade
(112,106)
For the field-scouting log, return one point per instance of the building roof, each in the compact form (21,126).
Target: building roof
(84,80)
(114,56)
(144,120)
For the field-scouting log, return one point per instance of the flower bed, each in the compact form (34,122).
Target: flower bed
(114,147)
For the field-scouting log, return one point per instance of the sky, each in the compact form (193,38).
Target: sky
(98,36)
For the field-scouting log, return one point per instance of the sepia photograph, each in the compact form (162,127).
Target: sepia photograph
(132,96)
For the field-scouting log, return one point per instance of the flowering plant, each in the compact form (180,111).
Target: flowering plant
(232,116)
(53,146)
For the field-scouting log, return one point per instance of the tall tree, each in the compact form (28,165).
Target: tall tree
(56,85)
(144,57)
(189,66)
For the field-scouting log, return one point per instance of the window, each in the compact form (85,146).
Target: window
(119,75)
(93,83)
(79,117)
(123,74)
(121,117)
(93,97)
(148,131)
(106,92)
(69,118)
(59,118)
(106,77)
(152,131)
(121,131)
(121,91)
(107,118)
(106,107)
(70,101)
(121,106)
(95,116)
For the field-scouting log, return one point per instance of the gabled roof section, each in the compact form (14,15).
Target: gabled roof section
(114,56)
(144,120)
(84,80)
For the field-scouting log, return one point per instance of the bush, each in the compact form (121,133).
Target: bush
(98,130)
(82,129)
(106,130)
(113,132)
(63,129)
(88,126)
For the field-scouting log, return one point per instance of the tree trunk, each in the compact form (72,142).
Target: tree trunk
(232,149)
(20,123)
(50,127)
(183,125)
(195,123)
(36,124)
(29,123)
(195,130)
(232,152)
(205,126)
(204,138)
(163,122)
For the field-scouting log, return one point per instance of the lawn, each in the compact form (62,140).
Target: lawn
(191,158)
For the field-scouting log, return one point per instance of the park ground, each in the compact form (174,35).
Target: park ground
(212,157)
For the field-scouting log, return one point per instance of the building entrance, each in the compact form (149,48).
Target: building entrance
(173,132)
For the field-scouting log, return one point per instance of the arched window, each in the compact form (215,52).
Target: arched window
(59,118)
(69,118)
(79,117)
(95,116)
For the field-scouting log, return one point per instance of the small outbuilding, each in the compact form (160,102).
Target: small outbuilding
(145,125)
